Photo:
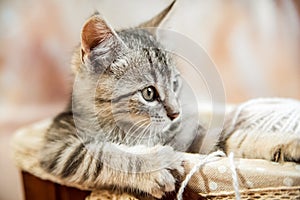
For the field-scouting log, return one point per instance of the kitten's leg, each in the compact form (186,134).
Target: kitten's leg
(150,170)
(274,146)
(263,128)
(95,164)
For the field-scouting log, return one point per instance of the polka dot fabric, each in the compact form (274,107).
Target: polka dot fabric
(215,177)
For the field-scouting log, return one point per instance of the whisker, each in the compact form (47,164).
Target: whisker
(143,120)
(143,133)
(132,134)
(140,135)
(149,139)
(133,125)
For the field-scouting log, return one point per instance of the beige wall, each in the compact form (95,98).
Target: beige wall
(255,45)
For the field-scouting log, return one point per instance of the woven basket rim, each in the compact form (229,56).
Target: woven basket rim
(256,190)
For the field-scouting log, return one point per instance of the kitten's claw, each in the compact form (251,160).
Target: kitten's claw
(168,177)
(272,146)
(164,180)
(288,152)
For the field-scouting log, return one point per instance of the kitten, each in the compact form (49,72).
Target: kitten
(124,92)
(124,125)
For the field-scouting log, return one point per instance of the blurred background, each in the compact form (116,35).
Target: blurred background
(254,44)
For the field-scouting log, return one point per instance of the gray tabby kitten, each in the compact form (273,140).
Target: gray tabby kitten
(123,123)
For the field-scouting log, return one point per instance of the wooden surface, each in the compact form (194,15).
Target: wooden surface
(37,189)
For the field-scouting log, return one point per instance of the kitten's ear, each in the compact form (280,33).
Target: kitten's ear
(96,32)
(159,18)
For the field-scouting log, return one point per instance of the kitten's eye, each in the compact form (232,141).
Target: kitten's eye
(149,93)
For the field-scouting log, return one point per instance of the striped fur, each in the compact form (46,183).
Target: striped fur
(111,136)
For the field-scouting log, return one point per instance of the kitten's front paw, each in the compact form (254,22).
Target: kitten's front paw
(288,152)
(164,180)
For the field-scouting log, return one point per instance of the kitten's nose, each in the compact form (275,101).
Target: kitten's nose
(173,116)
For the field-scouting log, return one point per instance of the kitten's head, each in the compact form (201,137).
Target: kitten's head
(129,84)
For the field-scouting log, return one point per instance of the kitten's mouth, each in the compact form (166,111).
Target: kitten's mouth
(173,126)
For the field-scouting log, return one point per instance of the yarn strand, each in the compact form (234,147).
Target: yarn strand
(209,158)
(235,180)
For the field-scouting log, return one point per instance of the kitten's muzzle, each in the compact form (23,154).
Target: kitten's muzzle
(173,116)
